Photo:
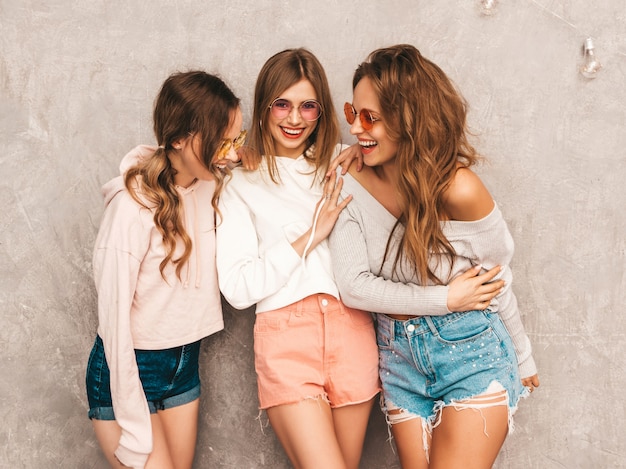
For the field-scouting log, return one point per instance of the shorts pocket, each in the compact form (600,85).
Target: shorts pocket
(467,327)
(268,323)
(383,340)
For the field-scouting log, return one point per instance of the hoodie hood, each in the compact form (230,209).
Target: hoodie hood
(132,158)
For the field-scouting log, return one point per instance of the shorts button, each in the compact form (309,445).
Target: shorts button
(324,302)
(410,328)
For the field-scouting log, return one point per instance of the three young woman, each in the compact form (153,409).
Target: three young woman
(155,274)
(399,249)
(419,216)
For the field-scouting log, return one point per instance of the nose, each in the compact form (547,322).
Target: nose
(231,154)
(294,115)
(356,128)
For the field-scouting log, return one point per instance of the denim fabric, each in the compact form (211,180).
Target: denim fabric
(170,378)
(430,360)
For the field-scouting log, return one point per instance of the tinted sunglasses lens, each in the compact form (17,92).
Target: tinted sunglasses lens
(280,108)
(310,110)
(367,120)
(348,110)
(226,144)
(240,140)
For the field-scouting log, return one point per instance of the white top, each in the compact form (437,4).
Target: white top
(358,244)
(260,219)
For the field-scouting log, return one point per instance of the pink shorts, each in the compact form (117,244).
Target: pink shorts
(315,347)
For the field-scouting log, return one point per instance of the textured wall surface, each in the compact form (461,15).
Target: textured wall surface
(77,83)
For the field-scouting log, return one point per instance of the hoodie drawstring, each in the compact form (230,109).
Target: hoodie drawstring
(310,241)
(194,241)
(196,236)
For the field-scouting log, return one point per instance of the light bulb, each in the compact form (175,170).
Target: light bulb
(487,7)
(591,66)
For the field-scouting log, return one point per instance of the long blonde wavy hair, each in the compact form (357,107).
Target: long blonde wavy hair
(280,72)
(188,103)
(425,114)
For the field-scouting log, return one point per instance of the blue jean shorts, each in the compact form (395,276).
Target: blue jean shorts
(431,361)
(170,378)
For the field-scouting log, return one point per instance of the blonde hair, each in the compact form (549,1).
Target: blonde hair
(192,102)
(425,114)
(280,72)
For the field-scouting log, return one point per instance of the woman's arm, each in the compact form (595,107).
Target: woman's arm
(245,276)
(118,250)
(361,288)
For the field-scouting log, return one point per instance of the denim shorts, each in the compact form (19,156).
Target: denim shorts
(430,361)
(170,378)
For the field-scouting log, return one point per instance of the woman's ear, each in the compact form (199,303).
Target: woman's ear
(178,144)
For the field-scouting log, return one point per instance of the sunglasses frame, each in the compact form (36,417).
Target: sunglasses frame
(319,105)
(235,143)
(366,117)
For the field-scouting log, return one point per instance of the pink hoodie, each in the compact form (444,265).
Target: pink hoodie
(137,309)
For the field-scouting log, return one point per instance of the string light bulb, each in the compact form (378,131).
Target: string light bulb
(591,65)
(487,7)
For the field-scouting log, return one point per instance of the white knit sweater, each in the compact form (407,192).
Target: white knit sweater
(260,219)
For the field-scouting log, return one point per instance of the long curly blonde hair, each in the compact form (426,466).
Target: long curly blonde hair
(425,114)
(193,102)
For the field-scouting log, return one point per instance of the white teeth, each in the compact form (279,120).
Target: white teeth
(292,131)
(369,143)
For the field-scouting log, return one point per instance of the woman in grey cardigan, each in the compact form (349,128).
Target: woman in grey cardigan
(420,216)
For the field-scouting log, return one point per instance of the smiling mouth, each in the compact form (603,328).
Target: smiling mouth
(367,145)
(291,133)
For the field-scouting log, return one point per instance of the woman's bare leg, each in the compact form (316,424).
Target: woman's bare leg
(409,438)
(108,433)
(470,438)
(350,428)
(307,433)
(180,427)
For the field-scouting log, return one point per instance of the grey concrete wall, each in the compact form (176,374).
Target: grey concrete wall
(77,82)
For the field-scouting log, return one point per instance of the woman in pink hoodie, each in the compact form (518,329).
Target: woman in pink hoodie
(155,274)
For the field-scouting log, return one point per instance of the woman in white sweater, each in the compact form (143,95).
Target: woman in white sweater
(419,216)
(316,360)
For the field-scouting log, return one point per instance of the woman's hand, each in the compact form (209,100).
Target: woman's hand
(331,207)
(327,211)
(531,382)
(346,158)
(471,291)
(249,158)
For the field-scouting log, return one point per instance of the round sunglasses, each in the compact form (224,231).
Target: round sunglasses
(365,116)
(235,143)
(310,110)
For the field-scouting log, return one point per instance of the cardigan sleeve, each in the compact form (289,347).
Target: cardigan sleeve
(363,289)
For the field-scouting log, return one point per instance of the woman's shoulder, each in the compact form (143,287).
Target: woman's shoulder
(466,198)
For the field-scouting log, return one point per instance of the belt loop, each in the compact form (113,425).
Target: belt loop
(299,305)
(431,325)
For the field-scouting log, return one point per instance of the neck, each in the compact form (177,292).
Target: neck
(387,172)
